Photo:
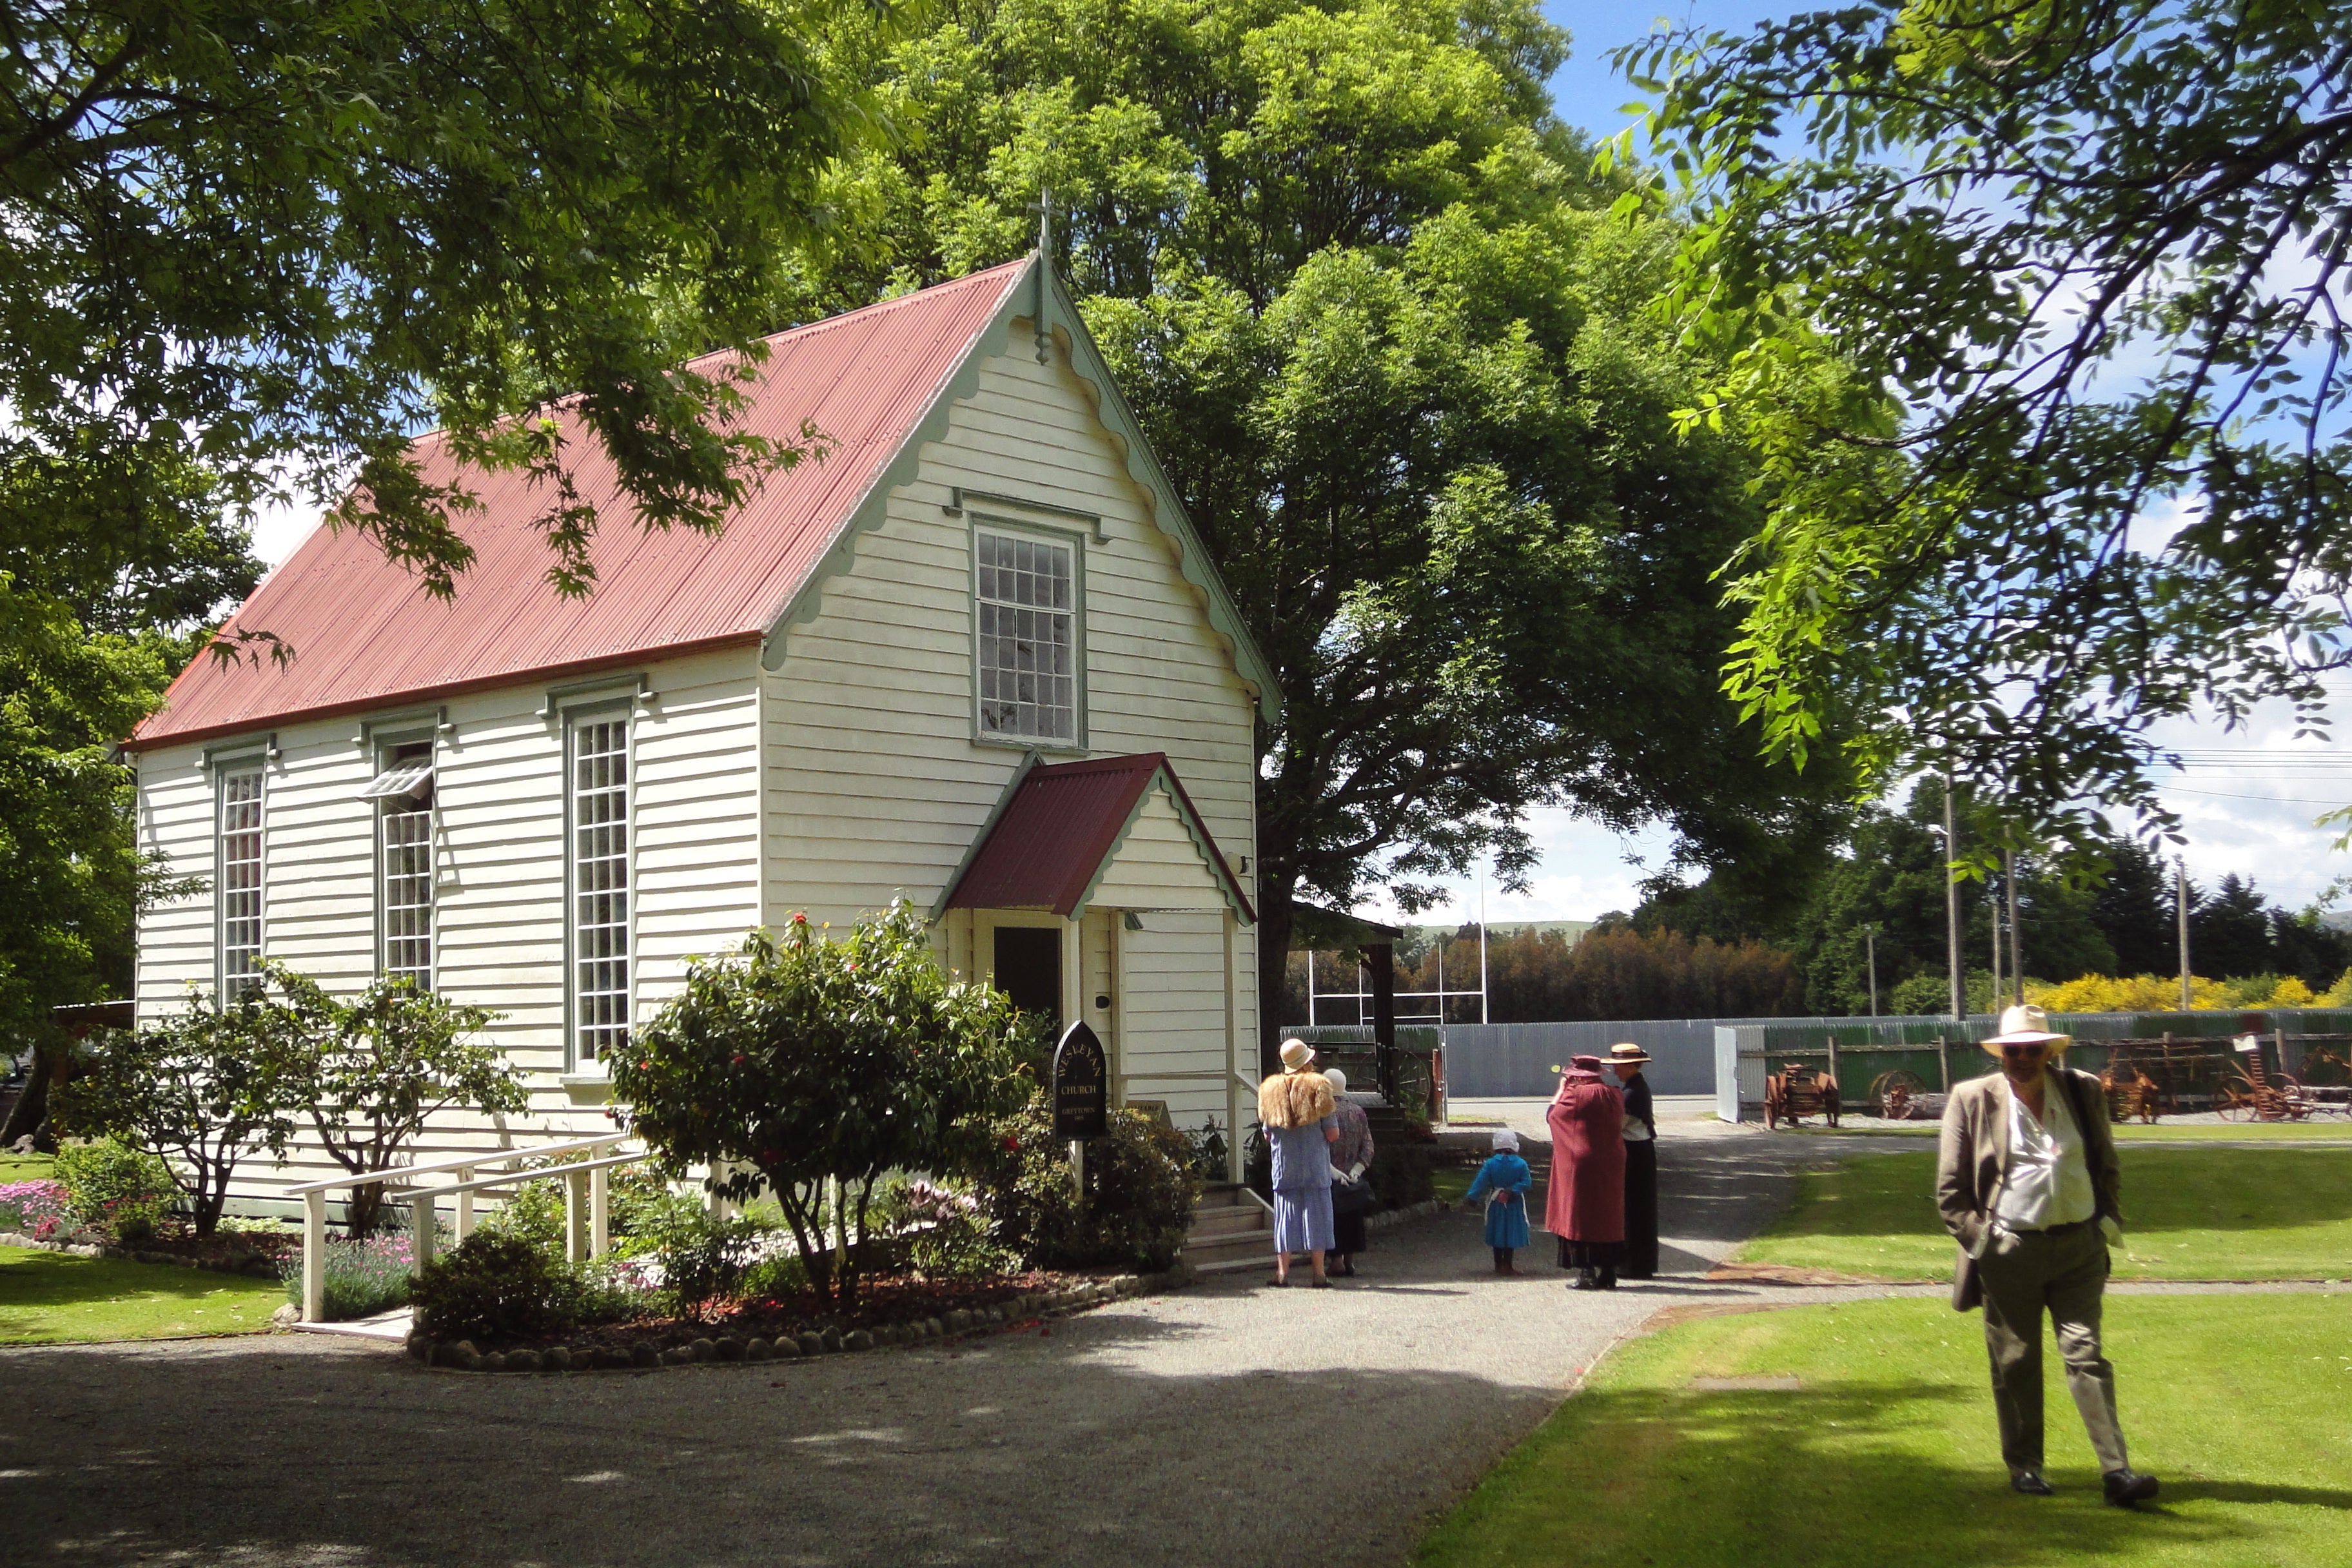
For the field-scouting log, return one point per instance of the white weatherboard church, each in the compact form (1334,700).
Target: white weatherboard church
(975,655)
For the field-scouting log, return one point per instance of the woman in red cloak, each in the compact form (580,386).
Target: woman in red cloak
(1586,1206)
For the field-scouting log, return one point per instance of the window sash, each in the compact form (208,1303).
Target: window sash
(405,896)
(600,867)
(1026,600)
(238,893)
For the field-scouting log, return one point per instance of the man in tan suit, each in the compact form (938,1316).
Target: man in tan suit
(2028,1183)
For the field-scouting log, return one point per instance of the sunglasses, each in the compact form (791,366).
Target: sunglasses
(2022,1050)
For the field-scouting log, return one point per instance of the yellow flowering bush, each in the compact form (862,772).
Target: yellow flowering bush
(2161,993)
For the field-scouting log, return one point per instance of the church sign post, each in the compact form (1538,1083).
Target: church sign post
(1081,1079)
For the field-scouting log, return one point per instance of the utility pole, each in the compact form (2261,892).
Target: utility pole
(2180,899)
(1992,922)
(1952,903)
(1482,945)
(2016,936)
(1870,946)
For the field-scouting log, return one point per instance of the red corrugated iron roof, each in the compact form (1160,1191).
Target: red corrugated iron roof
(1049,840)
(365,633)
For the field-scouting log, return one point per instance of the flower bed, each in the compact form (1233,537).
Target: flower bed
(361,1278)
(896,1309)
(41,1210)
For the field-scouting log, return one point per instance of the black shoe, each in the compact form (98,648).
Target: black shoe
(1608,1280)
(1586,1280)
(2126,1486)
(2031,1483)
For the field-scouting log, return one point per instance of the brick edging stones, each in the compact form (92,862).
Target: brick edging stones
(461,1355)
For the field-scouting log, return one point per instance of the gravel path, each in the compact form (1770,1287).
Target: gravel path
(1228,1423)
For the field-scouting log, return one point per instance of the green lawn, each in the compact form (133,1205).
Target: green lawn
(1886,1453)
(2191,1213)
(2330,1131)
(50,1297)
(26,1168)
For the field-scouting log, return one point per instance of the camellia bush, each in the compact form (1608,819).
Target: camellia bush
(1136,1208)
(117,1190)
(811,1067)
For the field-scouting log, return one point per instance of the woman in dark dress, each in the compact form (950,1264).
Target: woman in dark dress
(1641,1164)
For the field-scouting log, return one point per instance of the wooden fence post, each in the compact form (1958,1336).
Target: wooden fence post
(314,1257)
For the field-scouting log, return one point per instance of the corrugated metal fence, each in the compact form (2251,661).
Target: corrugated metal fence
(1717,1056)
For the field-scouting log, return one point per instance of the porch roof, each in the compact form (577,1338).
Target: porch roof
(1061,825)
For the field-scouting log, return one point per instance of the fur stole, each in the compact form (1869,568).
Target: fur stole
(1294,1100)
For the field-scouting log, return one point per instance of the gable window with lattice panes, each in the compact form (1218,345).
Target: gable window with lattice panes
(1025,601)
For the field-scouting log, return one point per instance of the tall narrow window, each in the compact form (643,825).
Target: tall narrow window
(238,884)
(600,889)
(404,796)
(1026,599)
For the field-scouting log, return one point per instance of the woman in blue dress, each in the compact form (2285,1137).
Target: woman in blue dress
(1503,1181)
(1296,1107)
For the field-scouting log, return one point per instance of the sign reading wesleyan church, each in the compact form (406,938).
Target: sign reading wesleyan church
(1081,1076)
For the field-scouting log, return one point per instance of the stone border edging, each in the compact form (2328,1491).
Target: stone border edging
(461,1355)
(243,1263)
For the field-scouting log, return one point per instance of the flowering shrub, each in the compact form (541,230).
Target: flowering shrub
(1138,1199)
(362,1277)
(42,1210)
(120,1192)
(811,1067)
(2161,993)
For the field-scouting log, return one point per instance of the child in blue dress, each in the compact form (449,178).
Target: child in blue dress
(1503,1181)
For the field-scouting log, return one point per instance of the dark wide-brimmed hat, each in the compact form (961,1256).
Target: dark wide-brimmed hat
(1627,1052)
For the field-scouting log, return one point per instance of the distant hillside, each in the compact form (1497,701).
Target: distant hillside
(1421,936)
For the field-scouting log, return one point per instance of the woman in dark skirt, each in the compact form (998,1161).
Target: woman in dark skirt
(1641,1164)
(1352,1196)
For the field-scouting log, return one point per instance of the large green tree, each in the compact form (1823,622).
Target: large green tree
(2097,248)
(1371,305)
(253,245)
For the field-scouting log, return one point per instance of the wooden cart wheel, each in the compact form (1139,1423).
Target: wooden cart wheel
(2232,1102)
(1897,1094)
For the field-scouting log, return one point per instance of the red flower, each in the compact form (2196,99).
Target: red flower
(740,1058)
(1012,1143)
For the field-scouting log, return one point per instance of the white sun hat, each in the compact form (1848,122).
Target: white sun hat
(2025,1025)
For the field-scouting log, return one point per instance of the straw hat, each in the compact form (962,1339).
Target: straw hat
(2025,1026)
(1297,1054)
(1338,1079)
(1628,1053)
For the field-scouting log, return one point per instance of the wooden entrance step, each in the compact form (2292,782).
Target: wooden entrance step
(1232,1229)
